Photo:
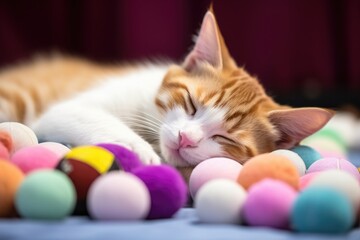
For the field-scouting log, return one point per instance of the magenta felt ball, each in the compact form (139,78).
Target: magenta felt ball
(126,159)
(33,158)
(334,163)
(118,196)
(213,168)
(168,190)
(269,204)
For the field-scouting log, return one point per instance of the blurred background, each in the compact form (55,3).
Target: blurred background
(305,52)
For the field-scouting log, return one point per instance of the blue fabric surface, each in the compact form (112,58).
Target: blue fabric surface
(184,225)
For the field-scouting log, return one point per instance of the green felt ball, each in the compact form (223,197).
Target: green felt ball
(308,154)
(46,194)
(322,210)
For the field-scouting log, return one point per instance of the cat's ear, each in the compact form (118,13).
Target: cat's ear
(207,45)
(295,124)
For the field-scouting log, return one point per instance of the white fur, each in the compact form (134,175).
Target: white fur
(200,128)
(95,115)
(111,111)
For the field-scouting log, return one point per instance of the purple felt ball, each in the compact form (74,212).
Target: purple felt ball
(334,163)
(269,204)
(126,159)
(168,190)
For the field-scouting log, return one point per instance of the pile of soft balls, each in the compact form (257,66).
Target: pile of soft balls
(49,181)
(295,189)
(301,189)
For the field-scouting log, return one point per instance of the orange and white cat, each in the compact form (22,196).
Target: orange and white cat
(179,114)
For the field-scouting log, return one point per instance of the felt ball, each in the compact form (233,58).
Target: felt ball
(10,179)
(83,165)
(21,135)
(269,204)
(334,163)
(59,149)
(45,194)
(294,158)
(308,154)
(6,141)
(118,196)
(34,157)
(322,210)
(268,166)
(4,152)
(213,168)
(342,181)
(126,159)
(321,144)
(220,201)
(167,188)
(306,179)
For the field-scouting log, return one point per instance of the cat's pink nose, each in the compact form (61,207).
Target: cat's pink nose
(185,141)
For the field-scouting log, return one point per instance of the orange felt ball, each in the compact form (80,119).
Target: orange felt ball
(268,166)
(6,140)
(10,180)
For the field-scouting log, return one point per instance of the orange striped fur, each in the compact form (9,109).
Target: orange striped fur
(28,89)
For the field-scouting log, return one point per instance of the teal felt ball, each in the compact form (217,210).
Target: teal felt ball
(45,194)
(322,210)
(308,154)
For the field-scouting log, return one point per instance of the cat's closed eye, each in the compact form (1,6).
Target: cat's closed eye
(220,138)
(191,109)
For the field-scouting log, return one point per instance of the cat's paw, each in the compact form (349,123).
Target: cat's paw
(145,152)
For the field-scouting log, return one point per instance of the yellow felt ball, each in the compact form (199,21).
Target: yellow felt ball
(97,157)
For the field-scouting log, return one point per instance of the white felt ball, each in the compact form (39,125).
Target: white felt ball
(294,158)
(220,201)
(341,181)
(118,196)
(21,135)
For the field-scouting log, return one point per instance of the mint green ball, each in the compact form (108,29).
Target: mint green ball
(322,210)
(46,194)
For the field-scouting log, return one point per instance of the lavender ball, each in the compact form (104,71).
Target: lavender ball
(168,190)
(118,196)
(334,163)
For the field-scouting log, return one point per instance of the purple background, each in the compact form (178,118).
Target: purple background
(304,51)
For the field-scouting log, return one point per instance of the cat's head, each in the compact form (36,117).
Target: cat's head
(213,108)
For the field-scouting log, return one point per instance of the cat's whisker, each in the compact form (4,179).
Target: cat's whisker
(143,122)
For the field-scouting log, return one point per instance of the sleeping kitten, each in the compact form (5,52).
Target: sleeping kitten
(205,107)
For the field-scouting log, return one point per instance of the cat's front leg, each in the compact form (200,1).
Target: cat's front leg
(77,124)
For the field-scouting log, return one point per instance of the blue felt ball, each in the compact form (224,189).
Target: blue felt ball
(308,154)
(322,210)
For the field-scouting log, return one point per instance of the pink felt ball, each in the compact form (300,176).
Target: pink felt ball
(4,152)
(334,163)
(59,149)
(213,168)
(118,196)
(269,204)
(34,157)
(306,179)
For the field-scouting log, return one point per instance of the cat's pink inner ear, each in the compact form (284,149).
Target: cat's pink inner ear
(295,124)
(207,46)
